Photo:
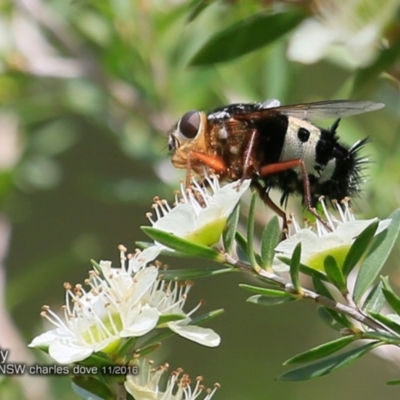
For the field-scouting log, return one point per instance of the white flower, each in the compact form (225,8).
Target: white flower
(318,242)
(120,304)
(200,215)
(139,260)
(99,319)
(351,27)
(145,385)
(169,299)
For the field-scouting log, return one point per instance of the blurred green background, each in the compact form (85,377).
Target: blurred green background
(88,92)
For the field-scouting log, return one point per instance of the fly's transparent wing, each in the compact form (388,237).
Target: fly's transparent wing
(315,111)
(329,109)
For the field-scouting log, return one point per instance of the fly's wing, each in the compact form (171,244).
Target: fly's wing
(317,110)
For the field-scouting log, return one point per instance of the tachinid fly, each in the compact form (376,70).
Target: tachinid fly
(276,146)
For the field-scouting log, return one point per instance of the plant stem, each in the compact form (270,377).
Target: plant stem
(350,310)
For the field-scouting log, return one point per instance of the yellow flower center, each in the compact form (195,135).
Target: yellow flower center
(95,334)
(339,253)
(208,234)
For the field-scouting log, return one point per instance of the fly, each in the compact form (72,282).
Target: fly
(276,147)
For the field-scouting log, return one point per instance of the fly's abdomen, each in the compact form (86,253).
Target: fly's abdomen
(342,174)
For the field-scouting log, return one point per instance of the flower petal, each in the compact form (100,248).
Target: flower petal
(223,202)
(394,318)
(139,392)
(46,338)
(142,281)
(142,323)
(143,258)
(180,221)
(311,31)
(350,230)
(204,336)
(69,352)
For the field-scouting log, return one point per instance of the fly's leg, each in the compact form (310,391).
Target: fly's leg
(248,158)
(248,166)
(269,203)
(284,166)
(217,164)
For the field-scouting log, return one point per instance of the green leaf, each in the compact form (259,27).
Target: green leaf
(313,273)
(390,296)
(265,291)
(185,274)
(375,299)
(386,59)
(127,347)
(143,351)
(169,318)
(395,382)
(161,334)
(97,360)
(306,269)
(250,233)
(241,247)
(258,259)
(269,240)
(88,387)
(359,247)
(321,289)
(164,252)
(245,36)
(96,267)
(321,351)
(339,318)
(335,274)
(228,236)
(268,301)
(197,8)
(201,319)
(285,260)
(328,319)
(144,245)
(295,268)
(325,367)
(394,326)
(377,256)
(182,245)
(385,337)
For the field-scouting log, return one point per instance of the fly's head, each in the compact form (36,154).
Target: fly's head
(186,136)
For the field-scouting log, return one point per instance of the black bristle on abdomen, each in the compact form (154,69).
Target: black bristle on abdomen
(357,177)
(348,175)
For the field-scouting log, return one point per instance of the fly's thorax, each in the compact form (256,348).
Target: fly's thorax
(229,139)
(188,135)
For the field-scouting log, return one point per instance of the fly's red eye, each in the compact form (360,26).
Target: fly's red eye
(189,124)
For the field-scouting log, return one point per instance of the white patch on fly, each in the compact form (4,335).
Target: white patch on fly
(327,172)
(219,115)
(234,149)
(294,148)
(270,103)
(222,133)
